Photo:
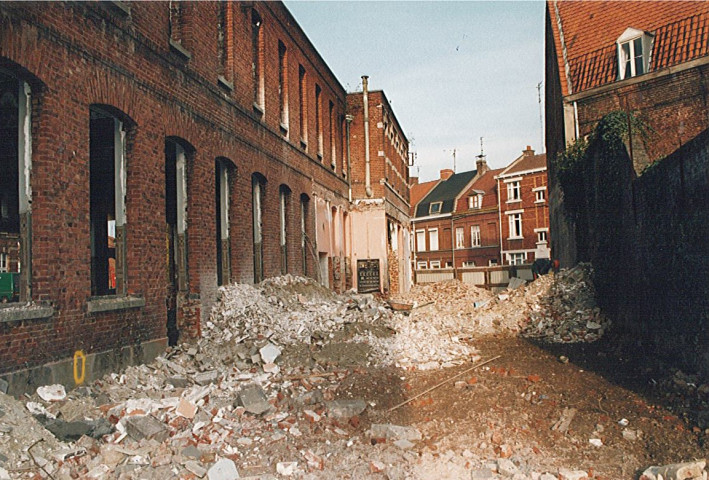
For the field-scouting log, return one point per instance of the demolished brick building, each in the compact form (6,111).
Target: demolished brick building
(156,151)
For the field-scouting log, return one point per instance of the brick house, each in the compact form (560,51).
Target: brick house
(523,209)
(379,181)
(455,222)
(204,140)
(650,59)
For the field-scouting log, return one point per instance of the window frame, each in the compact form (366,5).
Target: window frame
(459,237)
(431,236)
(514,191)
(514,220)
(421,235)
(437,211)
(475,236)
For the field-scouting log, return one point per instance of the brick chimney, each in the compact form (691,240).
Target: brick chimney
(528,151)
(481,165)
(414,180)
(446,173)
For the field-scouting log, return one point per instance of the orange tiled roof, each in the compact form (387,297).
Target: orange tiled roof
(525,163)
(419,191)
(591,28)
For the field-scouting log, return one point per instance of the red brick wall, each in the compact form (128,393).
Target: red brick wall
(79,54)
(535,215)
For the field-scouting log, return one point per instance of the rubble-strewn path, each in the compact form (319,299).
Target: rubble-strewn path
(292,381)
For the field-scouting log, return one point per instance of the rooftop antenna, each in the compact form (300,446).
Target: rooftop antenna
(541,122)
(454,160)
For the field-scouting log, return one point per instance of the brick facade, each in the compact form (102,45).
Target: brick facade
(383,205)
(168,78)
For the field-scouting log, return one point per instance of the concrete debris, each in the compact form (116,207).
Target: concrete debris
(269,353)
(678,471)
(345,408)
(224,469)
(52,393)
(566,474)
(287,469)
(145,427)
(395,432)
(253,399)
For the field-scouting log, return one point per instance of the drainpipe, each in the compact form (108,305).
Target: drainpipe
(499,215)
(453,245)
(348,121)
(365,100)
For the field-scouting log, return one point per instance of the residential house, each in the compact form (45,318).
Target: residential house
(379,218)
(524,209)
(649,59)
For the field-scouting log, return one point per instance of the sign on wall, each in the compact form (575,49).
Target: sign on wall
(367,275)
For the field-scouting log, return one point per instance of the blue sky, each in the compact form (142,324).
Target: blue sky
(453,71)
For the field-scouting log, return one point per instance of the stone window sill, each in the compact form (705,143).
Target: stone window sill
(111,303)
(25,311)
(180,50)
(224,83)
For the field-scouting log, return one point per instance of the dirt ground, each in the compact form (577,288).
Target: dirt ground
(508,407)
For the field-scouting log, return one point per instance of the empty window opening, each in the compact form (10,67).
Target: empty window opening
(333,150)
(302,107)
(283,85)
(176,230)
(225,40)
(283,214)
(257,60)
(107,191)
(222,184)
(15,191)
(304,221)
(258,190)
(318,119)
(175,21)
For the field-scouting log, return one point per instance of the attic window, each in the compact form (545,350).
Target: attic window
(435,207)
(475,201)
(634,49)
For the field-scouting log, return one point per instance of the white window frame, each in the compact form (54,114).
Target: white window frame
(433,239)
(628,57)
(514,191)
(540,196)
(515,225)
(475,201)
(542,236)
(4,263)
(435,264)
(459,237)
(422,265)
(475,239)
(516,258)
(435,211)
(421,240)
(468,264)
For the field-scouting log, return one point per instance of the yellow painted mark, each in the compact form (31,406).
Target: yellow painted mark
(79,355)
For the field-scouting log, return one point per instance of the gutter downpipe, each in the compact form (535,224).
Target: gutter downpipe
(348,121)
(365,100)
(499,214)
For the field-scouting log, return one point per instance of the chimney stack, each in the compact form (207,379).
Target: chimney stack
(481,165)
(414,180)
(446,173)
(528,151)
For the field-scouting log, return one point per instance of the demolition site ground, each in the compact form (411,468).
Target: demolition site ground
(293,381)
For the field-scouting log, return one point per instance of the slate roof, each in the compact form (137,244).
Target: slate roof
(445,192)
(591,28)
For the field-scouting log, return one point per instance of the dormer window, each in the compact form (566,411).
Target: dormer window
(634,49)
(475,201)
(435,208)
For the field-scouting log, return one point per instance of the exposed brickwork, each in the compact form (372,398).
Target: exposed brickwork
(82,54)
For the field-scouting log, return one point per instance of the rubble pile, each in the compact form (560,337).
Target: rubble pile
(289,312)
(567,312)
